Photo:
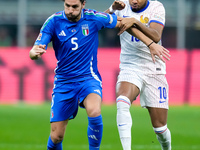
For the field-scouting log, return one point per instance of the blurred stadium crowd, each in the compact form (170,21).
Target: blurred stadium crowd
(20,22)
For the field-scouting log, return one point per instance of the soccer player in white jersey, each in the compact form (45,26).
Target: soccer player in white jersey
(138,73)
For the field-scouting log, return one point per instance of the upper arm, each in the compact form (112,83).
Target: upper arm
(46,32)
(158,28)
(157,20)
(43,39)
(108,21)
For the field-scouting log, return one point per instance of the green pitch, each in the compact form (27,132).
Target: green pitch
(27,127)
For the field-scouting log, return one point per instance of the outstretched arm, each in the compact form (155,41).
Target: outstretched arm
(147,35)
(154,48)
(37,51)
(154,32)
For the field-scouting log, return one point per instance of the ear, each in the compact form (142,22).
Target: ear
(83,5)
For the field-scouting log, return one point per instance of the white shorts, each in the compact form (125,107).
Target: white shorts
(153,88)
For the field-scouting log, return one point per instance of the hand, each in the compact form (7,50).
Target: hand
(37,51)
(125,23)
(118,5)
(160,51)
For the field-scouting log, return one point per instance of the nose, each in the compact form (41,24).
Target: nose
(134,1)
(71,10)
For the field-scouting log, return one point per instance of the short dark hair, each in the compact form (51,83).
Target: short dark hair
(80,0)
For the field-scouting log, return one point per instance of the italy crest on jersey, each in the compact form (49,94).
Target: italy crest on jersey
(85,29)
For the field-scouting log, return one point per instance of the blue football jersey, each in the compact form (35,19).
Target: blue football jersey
(75,43)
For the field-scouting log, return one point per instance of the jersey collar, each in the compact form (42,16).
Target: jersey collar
(139,11)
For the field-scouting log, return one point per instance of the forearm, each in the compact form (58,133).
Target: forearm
(148,31)
(154,48)
(138,34)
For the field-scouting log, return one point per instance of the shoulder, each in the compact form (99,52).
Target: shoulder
(51,20)
(57,15)
(92,14)
(156,4)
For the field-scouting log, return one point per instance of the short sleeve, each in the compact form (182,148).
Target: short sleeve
(108,21)
(103,20)
(158,14)
(46,32)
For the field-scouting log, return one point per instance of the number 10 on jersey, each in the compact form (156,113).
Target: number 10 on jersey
(163,93)
(134,39)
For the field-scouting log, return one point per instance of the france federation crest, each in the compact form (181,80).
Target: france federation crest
(85,29)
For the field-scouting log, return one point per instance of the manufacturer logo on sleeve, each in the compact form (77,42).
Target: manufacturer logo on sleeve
(98,91)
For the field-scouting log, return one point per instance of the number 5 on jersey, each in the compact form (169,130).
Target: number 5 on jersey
(73,41)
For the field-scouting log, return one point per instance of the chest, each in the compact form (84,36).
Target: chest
(79,32)
(144,16)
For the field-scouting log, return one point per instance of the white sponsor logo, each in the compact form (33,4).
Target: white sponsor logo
(98,91)
(93,137)
(62,33)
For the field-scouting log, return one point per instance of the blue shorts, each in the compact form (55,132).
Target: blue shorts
(65,102)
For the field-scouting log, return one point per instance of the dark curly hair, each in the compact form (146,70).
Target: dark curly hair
(80,0)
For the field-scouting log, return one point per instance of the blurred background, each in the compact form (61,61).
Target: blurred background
(24,83)
(21,20)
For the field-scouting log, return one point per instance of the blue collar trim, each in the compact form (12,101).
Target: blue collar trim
(143,8)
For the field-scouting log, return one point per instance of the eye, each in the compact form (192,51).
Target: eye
(67,5)
(75,6)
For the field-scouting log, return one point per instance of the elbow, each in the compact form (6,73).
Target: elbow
(156,39)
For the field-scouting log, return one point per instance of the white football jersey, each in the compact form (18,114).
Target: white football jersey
(135,55)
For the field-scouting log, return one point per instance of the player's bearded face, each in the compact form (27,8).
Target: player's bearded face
(73,16)
(137,5)
(73,9)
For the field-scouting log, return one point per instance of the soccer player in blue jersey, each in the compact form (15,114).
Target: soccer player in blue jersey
(77,82)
